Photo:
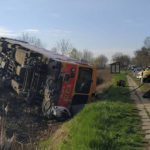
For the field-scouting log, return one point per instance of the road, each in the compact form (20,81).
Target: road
(143,105)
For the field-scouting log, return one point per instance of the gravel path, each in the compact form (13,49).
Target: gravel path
(143,105)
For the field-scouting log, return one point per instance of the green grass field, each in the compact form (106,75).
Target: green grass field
(109,124)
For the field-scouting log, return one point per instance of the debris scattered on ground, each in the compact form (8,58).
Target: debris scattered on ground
(121,83)
(21,122)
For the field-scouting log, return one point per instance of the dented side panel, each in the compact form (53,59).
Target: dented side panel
(69,71)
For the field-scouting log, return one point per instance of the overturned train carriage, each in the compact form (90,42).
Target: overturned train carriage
(60,81)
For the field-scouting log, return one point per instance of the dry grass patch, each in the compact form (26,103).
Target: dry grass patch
(55,139)
(106,78)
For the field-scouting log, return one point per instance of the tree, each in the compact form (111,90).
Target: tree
(76,54)
(117,57)
(147,42)
(64,47)
(123,59)
(30,39)
(142,57)
(87,56)
(100,61)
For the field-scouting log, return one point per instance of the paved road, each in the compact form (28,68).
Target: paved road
(143,105)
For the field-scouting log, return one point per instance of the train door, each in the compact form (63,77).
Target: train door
(83,86)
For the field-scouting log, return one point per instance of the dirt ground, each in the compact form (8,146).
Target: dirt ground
(21,122)
(104,80)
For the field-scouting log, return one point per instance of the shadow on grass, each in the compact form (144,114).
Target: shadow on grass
(114,93)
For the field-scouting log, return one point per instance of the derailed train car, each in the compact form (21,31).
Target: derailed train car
(60,81)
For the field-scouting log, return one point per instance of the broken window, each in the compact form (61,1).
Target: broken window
(84,80)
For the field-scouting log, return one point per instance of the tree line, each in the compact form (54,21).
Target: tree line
(64,47)
(141,56)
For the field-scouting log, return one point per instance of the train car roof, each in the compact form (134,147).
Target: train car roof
(45,52)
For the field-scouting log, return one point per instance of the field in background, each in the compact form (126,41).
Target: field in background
(104,78)
(109,124)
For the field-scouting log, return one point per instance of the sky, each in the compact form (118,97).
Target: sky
(102,26)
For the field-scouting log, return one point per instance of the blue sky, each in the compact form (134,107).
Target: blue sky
(102,26)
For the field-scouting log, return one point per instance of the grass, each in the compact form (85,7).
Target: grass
(109,124)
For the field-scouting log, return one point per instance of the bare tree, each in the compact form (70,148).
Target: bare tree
(147,42)
(117,56)
(123,59)
(64,47)
(142,57)
(101,61)
(76,54)
(30,39)
(87,56)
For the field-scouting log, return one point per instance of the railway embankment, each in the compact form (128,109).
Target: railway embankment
(111,123)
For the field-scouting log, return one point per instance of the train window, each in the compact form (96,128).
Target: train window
(22,74)
(84,80)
